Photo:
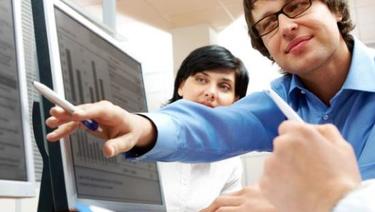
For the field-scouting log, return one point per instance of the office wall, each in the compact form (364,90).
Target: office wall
(363,12)
(186,39)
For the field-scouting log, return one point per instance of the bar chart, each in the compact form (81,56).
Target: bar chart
(77,82)
(85,84)
(93,70)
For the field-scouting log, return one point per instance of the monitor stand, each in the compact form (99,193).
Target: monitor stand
(45,202)
(50,199)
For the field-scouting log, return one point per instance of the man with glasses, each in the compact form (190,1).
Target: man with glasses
(329,78)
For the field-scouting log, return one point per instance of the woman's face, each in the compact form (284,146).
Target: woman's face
(211,88)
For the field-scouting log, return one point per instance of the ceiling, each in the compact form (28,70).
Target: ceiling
(169,14)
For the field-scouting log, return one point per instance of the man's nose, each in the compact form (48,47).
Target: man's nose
(287,26)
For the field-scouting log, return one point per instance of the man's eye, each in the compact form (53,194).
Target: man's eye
(268,23)
(296,7)
(292,8)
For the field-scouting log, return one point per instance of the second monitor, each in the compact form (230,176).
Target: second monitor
(88,66)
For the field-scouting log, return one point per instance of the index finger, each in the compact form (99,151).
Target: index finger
(103,111)
(60,113)
(292,126)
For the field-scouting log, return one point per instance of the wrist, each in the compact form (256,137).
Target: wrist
(146,138)
(335,193)
(148,132)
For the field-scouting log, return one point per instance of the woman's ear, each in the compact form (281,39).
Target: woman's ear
(180,90)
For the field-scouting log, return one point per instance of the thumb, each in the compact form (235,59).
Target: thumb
(119,145)
(330,133)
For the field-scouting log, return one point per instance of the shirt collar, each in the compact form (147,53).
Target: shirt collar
(296,87)
(362,69)
(361,72)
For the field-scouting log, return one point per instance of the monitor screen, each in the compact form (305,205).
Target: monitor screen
(88,66)
(16,173)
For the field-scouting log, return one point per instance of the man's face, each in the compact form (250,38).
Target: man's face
(302,44)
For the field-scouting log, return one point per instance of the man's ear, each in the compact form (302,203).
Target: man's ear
(338,16)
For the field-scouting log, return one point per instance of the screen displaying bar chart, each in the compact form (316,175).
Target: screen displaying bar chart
(93,70)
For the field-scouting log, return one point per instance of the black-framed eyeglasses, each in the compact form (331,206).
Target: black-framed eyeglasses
(291,9)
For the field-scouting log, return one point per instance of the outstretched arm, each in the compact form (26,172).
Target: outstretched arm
(184,131)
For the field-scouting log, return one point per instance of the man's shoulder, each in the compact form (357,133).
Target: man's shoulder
(370,51)
(368,48)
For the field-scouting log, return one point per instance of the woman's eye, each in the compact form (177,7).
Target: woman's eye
(200,80)
(225,87)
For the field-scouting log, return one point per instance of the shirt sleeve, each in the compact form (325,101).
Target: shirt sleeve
(361,199)
(191,132)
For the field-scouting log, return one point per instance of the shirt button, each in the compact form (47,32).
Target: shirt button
(303,92)
(325,117)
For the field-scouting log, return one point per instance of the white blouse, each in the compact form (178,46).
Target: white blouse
(191,187)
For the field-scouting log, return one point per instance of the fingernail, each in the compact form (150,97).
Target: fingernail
(108,152)
(50,136)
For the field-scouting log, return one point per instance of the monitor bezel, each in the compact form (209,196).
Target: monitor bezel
(13,188)
(57,81)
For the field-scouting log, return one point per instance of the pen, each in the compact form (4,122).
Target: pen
(283,106)
(67,106)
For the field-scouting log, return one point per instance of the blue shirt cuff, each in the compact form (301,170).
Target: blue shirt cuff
(166,134)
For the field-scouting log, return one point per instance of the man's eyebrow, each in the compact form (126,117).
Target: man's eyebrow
(268,13)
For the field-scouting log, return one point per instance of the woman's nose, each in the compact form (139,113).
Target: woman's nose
(210,93)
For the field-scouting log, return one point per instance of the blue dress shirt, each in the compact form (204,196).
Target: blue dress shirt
(190,132)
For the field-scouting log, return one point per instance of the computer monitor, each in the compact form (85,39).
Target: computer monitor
(87,65)
(16,161)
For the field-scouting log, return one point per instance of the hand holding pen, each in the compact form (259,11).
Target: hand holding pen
(67,106)
(120,129)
